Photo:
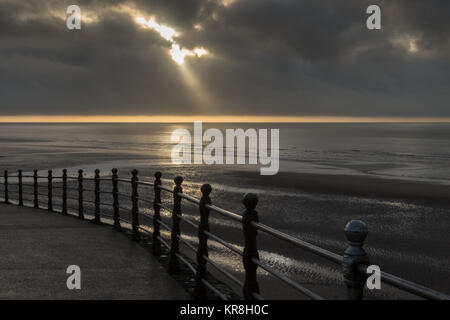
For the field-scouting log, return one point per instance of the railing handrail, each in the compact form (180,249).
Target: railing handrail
(355,230)
(395,281)
(408,286)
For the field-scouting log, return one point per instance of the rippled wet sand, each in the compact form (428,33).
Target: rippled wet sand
(409,238)
(408,224)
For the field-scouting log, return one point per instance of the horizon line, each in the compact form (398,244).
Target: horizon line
(216,119)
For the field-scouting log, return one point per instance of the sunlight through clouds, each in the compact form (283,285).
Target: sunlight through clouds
(408,43)
(177,53)
(165,31)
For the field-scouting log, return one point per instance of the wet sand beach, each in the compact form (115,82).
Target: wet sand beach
(408,217)
(352,185)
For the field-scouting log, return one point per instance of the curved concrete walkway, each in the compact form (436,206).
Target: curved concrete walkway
(37,246)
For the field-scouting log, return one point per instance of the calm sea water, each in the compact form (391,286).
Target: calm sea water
(406,237)
(413,151)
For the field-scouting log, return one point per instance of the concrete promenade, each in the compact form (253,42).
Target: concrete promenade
(37,246)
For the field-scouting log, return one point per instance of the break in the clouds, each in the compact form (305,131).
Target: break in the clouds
(264,57)
(177,53)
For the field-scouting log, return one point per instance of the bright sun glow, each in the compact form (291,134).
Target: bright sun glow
(166,32)
(177,53)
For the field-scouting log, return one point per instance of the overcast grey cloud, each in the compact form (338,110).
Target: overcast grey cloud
(266,57)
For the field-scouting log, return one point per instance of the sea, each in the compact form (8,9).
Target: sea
(407,237)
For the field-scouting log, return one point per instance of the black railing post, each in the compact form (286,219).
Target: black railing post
(80,195)
(5,180)
(50,191)
(64,192)
(35,189)
(355,232)
(135,206)
(156,246)
(174,263)
(20,188)
(97,197)
(202,251)
(250,202)
(115,194)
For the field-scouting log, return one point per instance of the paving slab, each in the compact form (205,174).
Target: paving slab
(37,246)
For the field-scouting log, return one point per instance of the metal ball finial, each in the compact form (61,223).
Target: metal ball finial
(158,175)
(356,231)
(178,180)
(206,189)
(250,201)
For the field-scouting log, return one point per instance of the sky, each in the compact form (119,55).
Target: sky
(260,58)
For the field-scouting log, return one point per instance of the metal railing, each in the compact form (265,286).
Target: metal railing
(354,261)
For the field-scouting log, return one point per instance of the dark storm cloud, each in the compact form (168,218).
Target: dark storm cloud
(285,57)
